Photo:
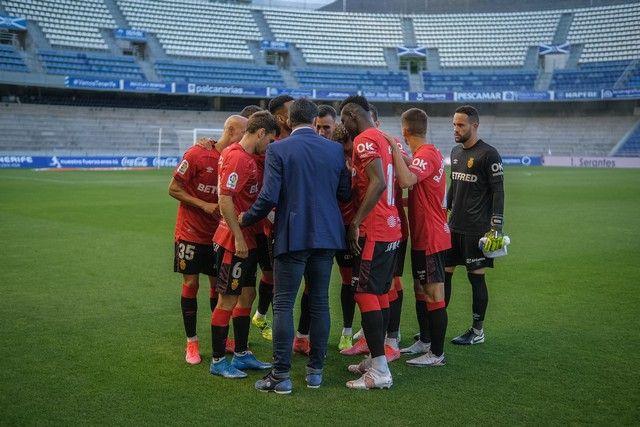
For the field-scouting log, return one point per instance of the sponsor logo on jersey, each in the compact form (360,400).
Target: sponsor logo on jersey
(461,176)
(455,161)
(497,170)
(232,180)
(420,163)
(253,189)
(209,169)
(207,188)
(365,146)
(184,165)
(470,163)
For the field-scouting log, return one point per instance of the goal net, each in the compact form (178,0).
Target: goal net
(174,142)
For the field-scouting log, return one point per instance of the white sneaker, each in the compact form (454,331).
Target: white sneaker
(417,347)
(362,367)
(428,359)
(358,335)
(371,379)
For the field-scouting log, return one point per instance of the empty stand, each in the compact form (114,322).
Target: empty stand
(64,130)
(206,72)
(591,75)
(195,28)
(631,146)
(479,81)
(352,79)
(10,59)
(60,130)
(90,64)
(610,33)
(533,136)
(66,23)
(354,39)
(485,39)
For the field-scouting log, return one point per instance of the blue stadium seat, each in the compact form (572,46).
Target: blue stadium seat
(219,73)
(352,79)
(479,81)
(10,60)
(631,147)
(90,65)
(592,75)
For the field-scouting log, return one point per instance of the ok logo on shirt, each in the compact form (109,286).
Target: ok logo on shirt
(365,148)
(420,163)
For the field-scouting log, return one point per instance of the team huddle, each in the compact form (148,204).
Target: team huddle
(229,222)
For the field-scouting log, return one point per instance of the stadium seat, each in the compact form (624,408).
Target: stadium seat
(194,28)
(67,23)
(219,73)
(89,65)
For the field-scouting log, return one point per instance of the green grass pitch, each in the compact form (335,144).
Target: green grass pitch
(91,331)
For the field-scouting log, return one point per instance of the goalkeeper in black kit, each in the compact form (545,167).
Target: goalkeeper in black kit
(476,201)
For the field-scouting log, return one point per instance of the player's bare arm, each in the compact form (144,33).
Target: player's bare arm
(374,190)
(394,147)
(228,213)
(178,192)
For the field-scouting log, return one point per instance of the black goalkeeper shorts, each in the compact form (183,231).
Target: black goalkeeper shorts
(464,251)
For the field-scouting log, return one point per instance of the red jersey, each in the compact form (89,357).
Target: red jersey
(404,224)
(238,178)
(427,202)
(197,173)
(382,224)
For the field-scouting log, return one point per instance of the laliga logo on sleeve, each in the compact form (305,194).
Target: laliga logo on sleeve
(182,169)
(232,181)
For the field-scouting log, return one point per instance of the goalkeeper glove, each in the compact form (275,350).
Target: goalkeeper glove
(495,238)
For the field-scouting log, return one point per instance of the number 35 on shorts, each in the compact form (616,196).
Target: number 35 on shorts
(186,251)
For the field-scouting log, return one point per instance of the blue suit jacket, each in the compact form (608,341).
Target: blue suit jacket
(305,175)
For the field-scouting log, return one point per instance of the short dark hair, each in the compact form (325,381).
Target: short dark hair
(278,102)
(415,120)
(358,100)
(249,110)
(327,110)
(374,112)
(263,120)
(470,111)
(302,112)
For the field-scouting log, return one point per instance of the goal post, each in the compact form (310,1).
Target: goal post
(174,142)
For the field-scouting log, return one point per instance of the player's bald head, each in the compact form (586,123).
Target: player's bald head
(234,127)
(236,121)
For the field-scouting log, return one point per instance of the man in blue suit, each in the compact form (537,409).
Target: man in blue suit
(305,175)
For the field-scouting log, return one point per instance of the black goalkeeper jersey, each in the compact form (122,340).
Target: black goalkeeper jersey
(476,175)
